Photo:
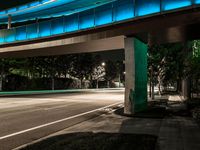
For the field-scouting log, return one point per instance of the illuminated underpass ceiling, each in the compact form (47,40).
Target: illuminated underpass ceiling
(48,8)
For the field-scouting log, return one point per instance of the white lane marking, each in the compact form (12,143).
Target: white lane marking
(58,121)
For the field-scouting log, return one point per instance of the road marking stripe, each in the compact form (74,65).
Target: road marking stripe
(58,121)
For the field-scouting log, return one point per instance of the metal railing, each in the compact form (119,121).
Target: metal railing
(120,10)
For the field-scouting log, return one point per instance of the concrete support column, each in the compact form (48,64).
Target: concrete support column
(186,81)
(136,76)
(186,92)
(130,74)
(9,21)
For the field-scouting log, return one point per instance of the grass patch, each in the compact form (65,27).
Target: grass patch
(96,141)
(193,106)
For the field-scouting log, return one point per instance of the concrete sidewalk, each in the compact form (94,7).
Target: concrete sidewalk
(174,131)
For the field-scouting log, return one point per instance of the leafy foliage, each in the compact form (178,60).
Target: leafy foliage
(80,67)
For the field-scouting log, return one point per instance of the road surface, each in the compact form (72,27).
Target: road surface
(24,119)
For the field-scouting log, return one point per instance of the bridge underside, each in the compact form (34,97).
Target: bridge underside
(168,28)
(62,47)
(173,27)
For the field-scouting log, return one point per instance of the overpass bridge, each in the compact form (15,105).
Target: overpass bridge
(89,26)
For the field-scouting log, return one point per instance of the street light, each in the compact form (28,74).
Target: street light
(103,64)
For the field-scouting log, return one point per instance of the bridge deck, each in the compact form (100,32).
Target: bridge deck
(105,15)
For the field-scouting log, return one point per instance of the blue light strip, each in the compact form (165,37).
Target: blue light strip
(47,9)
(107,14)
(175,4)
(197,2)
(23,7)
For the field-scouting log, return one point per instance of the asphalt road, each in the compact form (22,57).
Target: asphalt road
(24,119)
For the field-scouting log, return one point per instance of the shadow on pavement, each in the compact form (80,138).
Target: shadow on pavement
(156,109)
(96,141)
(137,132)
(157,113)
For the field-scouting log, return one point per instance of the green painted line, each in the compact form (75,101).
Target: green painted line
(40,92)
(13,93)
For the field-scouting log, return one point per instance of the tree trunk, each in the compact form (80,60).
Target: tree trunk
(197,90)
(108,84)
(52,83)
(97,85)
(152,85)
(150,80)
(119,80)
(65,74)
(186,89)
(178,88)
(159,87)
(1,82)
(81,83)
(150,44)
(152,94)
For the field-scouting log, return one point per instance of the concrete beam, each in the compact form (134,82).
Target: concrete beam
(63,46)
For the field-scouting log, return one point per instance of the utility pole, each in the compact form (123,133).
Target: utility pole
(9,21)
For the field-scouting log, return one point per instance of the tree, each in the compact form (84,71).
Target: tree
(110,72)
(155,70)
(165,65)
(82,67)
(51,66)
(4,70)
(45,67)
(19,66)
(120,71)
(64,64)
(98,74)
(193,69)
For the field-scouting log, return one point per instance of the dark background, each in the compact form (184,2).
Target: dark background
(4,4)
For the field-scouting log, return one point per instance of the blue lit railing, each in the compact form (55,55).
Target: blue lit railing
(26,6)
(103,15)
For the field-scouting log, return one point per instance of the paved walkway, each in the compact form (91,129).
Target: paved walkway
(175,131)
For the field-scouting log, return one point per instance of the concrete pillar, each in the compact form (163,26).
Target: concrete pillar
(9,21)
(186,91)
(136,76)
(186,81)
(130,74)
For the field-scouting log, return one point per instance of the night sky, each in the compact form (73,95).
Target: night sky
(4,4)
